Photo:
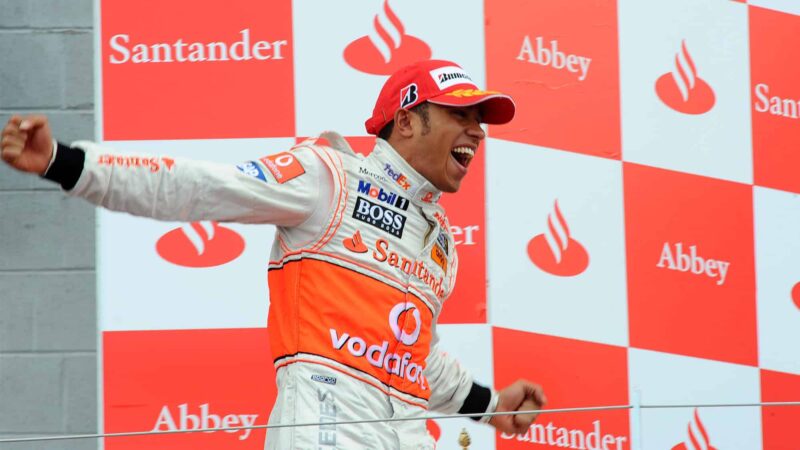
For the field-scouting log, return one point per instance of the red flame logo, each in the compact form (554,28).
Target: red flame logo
(388,49)
(355,244)
(682,90)
(434,430)
(796,295)
(698,438)
(200,244)
(555,251)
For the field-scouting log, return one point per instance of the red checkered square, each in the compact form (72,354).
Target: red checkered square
(775,69)
(573,374)
(192,70)
(690,264)
(183,380)
(559,60)
(780,422)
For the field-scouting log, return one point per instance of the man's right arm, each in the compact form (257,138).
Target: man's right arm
(284,193)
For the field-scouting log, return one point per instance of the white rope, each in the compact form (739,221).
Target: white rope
(398,419)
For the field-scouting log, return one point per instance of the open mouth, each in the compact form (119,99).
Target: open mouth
(463,155)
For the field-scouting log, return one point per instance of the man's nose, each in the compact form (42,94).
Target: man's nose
(476,131)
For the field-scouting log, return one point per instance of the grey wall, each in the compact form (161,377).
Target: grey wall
(48,349)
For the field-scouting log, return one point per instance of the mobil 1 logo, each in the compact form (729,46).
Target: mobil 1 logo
(378,216)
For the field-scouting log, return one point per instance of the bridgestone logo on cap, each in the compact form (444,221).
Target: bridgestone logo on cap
(450,76)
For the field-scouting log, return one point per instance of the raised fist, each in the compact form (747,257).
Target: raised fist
(27,144)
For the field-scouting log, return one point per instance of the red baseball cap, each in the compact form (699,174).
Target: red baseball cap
(440,82)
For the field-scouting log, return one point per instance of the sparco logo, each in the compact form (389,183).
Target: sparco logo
(378,354)
(364,187)
(124,51)
(379,217)
(387,47)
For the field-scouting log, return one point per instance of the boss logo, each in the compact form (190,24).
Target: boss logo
(379,217)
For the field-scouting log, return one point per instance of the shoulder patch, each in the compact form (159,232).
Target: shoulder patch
(252,169)
(283,166)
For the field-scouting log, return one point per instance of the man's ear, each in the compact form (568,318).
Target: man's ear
(403,123)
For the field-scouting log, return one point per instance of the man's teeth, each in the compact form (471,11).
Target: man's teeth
(465,150)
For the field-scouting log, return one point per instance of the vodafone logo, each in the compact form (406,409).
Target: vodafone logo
(698,437)
(555,251)
(387,48)
(796,295)
(682,89)
(200,244)
(379,354)
(399,328)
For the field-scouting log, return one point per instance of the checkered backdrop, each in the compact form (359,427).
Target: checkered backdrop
(634,231)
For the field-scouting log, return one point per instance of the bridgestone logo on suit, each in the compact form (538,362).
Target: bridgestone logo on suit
(379,217)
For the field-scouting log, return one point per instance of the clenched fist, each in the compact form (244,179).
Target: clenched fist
(519,396)
(27,144)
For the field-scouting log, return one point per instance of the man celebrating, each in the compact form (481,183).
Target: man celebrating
(362,262)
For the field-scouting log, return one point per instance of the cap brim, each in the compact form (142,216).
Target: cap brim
(496,108)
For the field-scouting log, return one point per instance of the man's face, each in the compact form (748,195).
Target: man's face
(443,151)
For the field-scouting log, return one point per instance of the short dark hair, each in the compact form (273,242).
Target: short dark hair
(421,109)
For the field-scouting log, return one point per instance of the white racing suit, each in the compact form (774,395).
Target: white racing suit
(362,262)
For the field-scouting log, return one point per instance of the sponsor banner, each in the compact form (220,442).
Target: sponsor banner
(187,380)
(691,274)
(196,71)
(685,76)
(780,423)
(777,244)
(561,366)
(173,275)
(558,250)
(566,52)
(466,218)
(775,97)
(667,379)
(346,69)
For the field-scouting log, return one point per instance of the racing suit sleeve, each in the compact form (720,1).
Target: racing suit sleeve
(454,390)
(186,190)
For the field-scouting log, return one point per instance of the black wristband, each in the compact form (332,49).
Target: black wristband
(477,400)
(67,167)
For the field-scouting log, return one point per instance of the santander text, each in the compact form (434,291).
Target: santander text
(777,106)
(179,51)
(204,419)
(682,262)
(569,438)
